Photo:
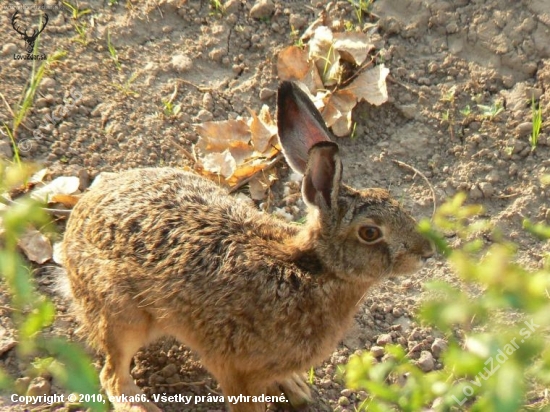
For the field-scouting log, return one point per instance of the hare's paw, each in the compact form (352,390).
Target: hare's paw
(296,391)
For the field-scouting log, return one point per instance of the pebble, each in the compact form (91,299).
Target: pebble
(475,193)
(524,129)
(266,93)
(232,6)
(438,347)
(487,189)
(377,351)
(426,361)
(22,384)
(6,150)
(169,370)
(9,48)
(181,63)
(346,392)
(343,401)
(262,9)
(384,339)
(39,386)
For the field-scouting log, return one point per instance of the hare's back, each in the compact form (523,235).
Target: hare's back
(139,212)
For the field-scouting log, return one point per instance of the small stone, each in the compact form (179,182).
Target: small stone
(346,392)
(232,6)
(9,48)
(409,110)
(343,401)
(438,347)
(181,63)
(39,386)
(262,9)
(475,193)
(487,189)
(297,21)
(169,370)
(266,93)
(426,361)
(384,339)
(6,150)
(48,83)
(204,116)
(22,384)
(377,351)
(524,129)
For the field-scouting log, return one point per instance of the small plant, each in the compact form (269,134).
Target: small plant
(311,375)
(112,51)
(27,97)
(31,312)
(537,123)
(361,8)
(81,31)
(492,111)
(349,26)
(217,7)
(75,11)
(353,135)
(466,111)
(125,88)
(170,109)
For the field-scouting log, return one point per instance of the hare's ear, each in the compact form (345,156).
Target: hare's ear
(323,176)
(300,125)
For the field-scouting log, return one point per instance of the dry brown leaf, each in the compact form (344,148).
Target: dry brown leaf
(337,111)
(220,163)
(65,200)
(325,56)
(219,136)
(35,246)
(370,85)
(293,64)
(352,46)
(63,185)
(262,129)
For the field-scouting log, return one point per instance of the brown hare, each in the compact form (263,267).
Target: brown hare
(154,252)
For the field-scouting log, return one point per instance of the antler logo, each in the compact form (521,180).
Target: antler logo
(29,40)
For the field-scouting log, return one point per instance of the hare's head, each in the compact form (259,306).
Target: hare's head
(359,235)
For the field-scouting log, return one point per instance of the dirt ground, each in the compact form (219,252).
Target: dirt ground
(452,64)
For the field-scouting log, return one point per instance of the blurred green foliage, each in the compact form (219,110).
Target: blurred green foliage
(497,337)
(31,311)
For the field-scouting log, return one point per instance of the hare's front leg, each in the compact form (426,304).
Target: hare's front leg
(238,388)
(295,389)
(121,342)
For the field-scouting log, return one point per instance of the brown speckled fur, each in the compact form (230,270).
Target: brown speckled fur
(152,252)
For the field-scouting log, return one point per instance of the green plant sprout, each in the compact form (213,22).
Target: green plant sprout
(361,8)
(81,31)
(492,111)
(27,97)
(125,88)
(31,311)
(466,111)
(75,11)
(311,375)
(537,123)
(112,51)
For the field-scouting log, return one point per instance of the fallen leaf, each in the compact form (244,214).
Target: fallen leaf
(35,246)
(57,255)
(337,111)
(370,85)
(65,200)
(352,46)
(293,64)
(325,56)
(220,163)
(262,129)
(63,185)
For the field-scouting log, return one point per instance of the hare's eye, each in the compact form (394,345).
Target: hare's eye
(370,234)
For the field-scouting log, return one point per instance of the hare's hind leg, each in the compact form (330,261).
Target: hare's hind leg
(121,342)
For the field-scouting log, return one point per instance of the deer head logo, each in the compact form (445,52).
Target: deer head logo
(29,40)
